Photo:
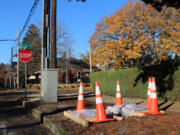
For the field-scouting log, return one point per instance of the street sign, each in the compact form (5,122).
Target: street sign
(25,55)
(24,46)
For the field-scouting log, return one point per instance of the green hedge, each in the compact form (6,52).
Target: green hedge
(134,81)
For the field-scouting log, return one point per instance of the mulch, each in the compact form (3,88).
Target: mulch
(168,124)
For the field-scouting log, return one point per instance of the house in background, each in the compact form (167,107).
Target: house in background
(8,75)
(34,78)
(3,76)
(70,71)
(77,70)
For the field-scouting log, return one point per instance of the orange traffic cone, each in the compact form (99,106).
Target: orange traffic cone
(100,111)
(153,104)
(118,94)
(80,104)
(149,92)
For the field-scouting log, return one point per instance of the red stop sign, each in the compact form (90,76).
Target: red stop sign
(25,55)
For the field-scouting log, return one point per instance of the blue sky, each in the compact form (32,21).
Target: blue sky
(80,18)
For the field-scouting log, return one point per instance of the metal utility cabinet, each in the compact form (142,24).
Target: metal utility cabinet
(49,85)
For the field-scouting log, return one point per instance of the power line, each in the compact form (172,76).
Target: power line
(6,40)
(25,25)
(29,17)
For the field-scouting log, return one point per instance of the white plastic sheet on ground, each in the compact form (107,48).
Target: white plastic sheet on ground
(87,113)
(126,110)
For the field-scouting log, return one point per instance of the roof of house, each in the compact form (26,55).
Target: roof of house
(72,63)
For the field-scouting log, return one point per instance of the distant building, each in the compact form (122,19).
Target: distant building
(8,75)
(77,70)
(73,70)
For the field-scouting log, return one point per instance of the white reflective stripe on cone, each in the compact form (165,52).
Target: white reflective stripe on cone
(118,95)
(153,95)
(149,92)
(153,87)
(80,89)
(98,90)
(149,85)
(118,87)
(98,100)
(80,97)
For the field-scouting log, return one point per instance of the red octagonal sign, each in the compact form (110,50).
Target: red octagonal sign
(25,55)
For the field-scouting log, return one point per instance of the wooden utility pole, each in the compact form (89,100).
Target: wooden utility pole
(18,60)
(90,57)
(45,34)
(53,35)
(11,71)
(45,37)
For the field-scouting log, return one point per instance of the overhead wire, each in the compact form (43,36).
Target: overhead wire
(26,22)
(25,25)
(29,17)
(4,40)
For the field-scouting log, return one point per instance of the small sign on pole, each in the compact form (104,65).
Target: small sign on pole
(25,56)
(24,46)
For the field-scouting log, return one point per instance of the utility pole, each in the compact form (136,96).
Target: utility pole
(90,57)
(48,33)
(53,35)
(45,37)
(18,60)
(43,40)
(66,59)
(11,73)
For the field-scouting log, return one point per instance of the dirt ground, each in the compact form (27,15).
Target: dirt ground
(168,124)
(149,125)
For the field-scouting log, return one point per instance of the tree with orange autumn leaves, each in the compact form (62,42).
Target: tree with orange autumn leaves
(136,34)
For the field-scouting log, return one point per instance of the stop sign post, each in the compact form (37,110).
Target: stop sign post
(25,56)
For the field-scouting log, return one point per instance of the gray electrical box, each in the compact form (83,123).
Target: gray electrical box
(49,85)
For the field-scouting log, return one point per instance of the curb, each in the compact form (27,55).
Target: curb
(47,122)
(45,116)
(30,104)
(57,130)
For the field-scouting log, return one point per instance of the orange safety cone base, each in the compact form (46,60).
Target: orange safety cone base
(155,113)
(98,121)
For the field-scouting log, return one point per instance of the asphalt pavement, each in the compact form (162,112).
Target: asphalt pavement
(13,118)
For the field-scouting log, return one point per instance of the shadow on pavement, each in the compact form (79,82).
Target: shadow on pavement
(166,107)
(20,126)
(16,93)
(139,102)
